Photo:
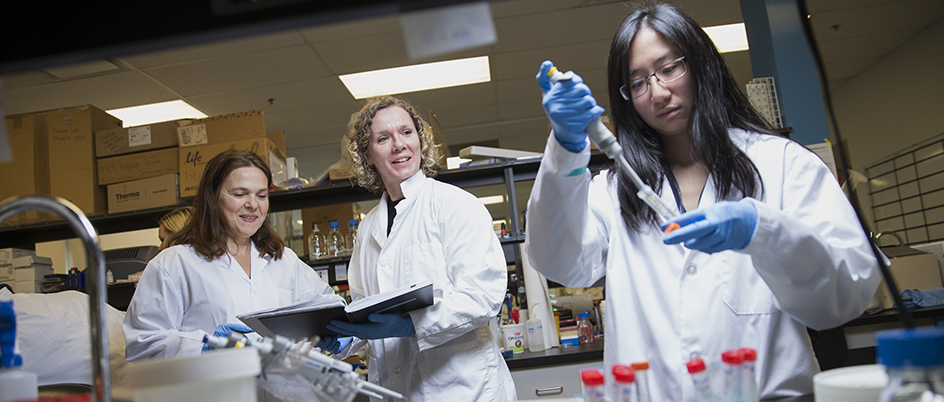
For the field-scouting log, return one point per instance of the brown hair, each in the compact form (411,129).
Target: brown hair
(365,174)
(205,231)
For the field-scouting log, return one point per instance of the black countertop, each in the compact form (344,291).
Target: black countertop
(555,356)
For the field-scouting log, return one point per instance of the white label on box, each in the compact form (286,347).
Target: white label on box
(323,273)
(192,135)
(340,271)
(138,136)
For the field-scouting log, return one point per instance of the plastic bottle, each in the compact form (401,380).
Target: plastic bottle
(585,329)
(109,277)
(696,367)
(351,235)
(335,240)
(748,383)
(623,378)
(642,381)
(15,384)
(732,375)
(535,335)
(914,361)
(593,385)
(316,243)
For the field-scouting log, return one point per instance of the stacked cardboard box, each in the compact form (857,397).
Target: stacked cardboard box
(193,160)
(7,255)
(141,174)
(54,153)
(29,272)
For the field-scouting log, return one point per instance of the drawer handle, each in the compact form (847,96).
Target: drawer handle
(549,391)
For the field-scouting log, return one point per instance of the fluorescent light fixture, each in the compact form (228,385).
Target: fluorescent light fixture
(455,161)
(156,112)
(492,199)
(300,222)
(728,38)
(420,77)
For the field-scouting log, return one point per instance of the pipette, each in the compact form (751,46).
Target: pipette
(606,141)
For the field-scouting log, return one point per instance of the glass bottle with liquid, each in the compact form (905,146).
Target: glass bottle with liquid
(585,330)
(351,235)
(335,240)
(316,243)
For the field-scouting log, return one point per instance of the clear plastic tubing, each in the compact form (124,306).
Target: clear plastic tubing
(593,385)
(696,367)
(732,375)
(748,382)
(642,383)
(623,378)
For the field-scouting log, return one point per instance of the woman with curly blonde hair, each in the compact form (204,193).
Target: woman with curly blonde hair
(424,230)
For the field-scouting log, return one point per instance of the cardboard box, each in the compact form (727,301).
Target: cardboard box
(934,248)
(31,268)
(221,129)
(340,173)
(29,171)
(193,161)
(278,138)
(917,271)
(118,169)
(6,273)
(121,141)
(7,255)
(143,194)
(28,286)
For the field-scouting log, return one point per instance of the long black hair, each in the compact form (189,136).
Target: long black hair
(719,104)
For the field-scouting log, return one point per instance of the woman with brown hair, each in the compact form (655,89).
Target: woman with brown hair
(226,261)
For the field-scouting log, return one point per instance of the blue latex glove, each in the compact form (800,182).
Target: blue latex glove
(723,226)
(334,344)
(380,326)
(223,330)
(570,108)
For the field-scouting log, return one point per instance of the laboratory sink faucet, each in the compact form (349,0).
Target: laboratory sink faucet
(96,267)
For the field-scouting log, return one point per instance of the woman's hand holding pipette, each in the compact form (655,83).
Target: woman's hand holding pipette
(726,225)
(570,107)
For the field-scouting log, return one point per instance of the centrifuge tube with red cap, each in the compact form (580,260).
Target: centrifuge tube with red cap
(623,378)
(696,367)
(593,385)
(748,382)
(732,375)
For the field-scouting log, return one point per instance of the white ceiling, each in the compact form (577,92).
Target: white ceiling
(292,75)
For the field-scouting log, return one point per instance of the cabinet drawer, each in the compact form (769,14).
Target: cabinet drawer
(551,382)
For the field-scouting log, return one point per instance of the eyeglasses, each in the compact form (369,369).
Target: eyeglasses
(671,71)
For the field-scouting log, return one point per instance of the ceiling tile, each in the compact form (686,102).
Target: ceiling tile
(457,118)
(871,20)
(366,27)
(584,24)
(861,47)
(26,79)
(440,100)
(505,9)
(577,57)
(521,110)
(849,69)
(241,71)
(216,49)
(293,95)
(356,55)
(130,88)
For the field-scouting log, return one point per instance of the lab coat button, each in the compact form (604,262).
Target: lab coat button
(691,270)
(694,355)
(396,370)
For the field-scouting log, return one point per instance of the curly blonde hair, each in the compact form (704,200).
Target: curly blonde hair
(365,174)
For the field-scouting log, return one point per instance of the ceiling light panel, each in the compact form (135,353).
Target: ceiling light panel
(420,77)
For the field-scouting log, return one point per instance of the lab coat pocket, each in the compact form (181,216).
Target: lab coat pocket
(744,291)
(458,366)
(424,261)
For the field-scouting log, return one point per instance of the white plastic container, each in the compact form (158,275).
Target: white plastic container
(535,335)
(227,375)
(850,384)
(16,384)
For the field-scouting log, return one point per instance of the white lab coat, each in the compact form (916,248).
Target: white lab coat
(444,235)
(807,264)
(181,297)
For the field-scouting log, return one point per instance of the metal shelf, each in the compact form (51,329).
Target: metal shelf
(328,193)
